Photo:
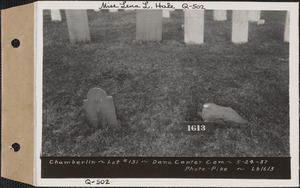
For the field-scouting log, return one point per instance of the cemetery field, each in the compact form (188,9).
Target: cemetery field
(156,85)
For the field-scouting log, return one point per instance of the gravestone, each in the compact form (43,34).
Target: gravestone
(220,15)
(113,10)
(166,13)
(78,25)
(149,25)
(129,9)
(100,109)
(287,27)
(240,26)
(55,15)
(254,15)
(221,115)
(97,10)
(194,26)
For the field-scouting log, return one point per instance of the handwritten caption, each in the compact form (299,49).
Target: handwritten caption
(150,5)
(189,165)
(165,167)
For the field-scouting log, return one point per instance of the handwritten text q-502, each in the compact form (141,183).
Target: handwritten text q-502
(192,6)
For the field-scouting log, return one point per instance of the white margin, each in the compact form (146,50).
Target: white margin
(35,42)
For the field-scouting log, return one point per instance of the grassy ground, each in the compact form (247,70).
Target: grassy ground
(155,85)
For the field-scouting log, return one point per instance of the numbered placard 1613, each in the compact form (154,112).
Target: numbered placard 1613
(198,127)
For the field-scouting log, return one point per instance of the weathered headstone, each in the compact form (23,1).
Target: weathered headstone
(194,26)
(254,15)
(240,26)
(220,15)
(78,25)
(113,10)
(287,27)
(221,115)
(166,13)
(149,25)
(55,15)
(100,109)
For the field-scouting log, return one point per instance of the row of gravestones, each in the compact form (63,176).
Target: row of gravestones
(149,24)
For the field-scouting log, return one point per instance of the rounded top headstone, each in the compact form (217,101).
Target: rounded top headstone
(96,93)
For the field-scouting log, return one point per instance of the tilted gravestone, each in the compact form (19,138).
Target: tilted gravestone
(55,15)
(287,27)
(149,25)
(100,109)
(194,26)
(240,24)
(254,15)
(78,25)
(220,15)
(166,13)
(221,115)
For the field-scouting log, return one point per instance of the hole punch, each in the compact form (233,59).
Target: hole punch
(15,43)
(15,147)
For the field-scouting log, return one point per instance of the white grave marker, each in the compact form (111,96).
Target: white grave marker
(78,25)
(220,15)
(240,26)
(97,10)
(149,25)
(166,13)
(113,10)
(55,15)
(194,26)
(287,27)
(254,15)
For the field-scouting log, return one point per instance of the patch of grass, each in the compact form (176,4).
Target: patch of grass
(156,85)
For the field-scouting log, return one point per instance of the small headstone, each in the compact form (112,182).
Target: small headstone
(239,26)
(78,25)
(166,13)
(97,10)
(221,115)
(220,15)
(254,15)
(55,15)
(287,27)
(113,10)
(100,109)
(149,25)
(194,26)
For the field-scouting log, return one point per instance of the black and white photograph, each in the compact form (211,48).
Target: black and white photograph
(121,83)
